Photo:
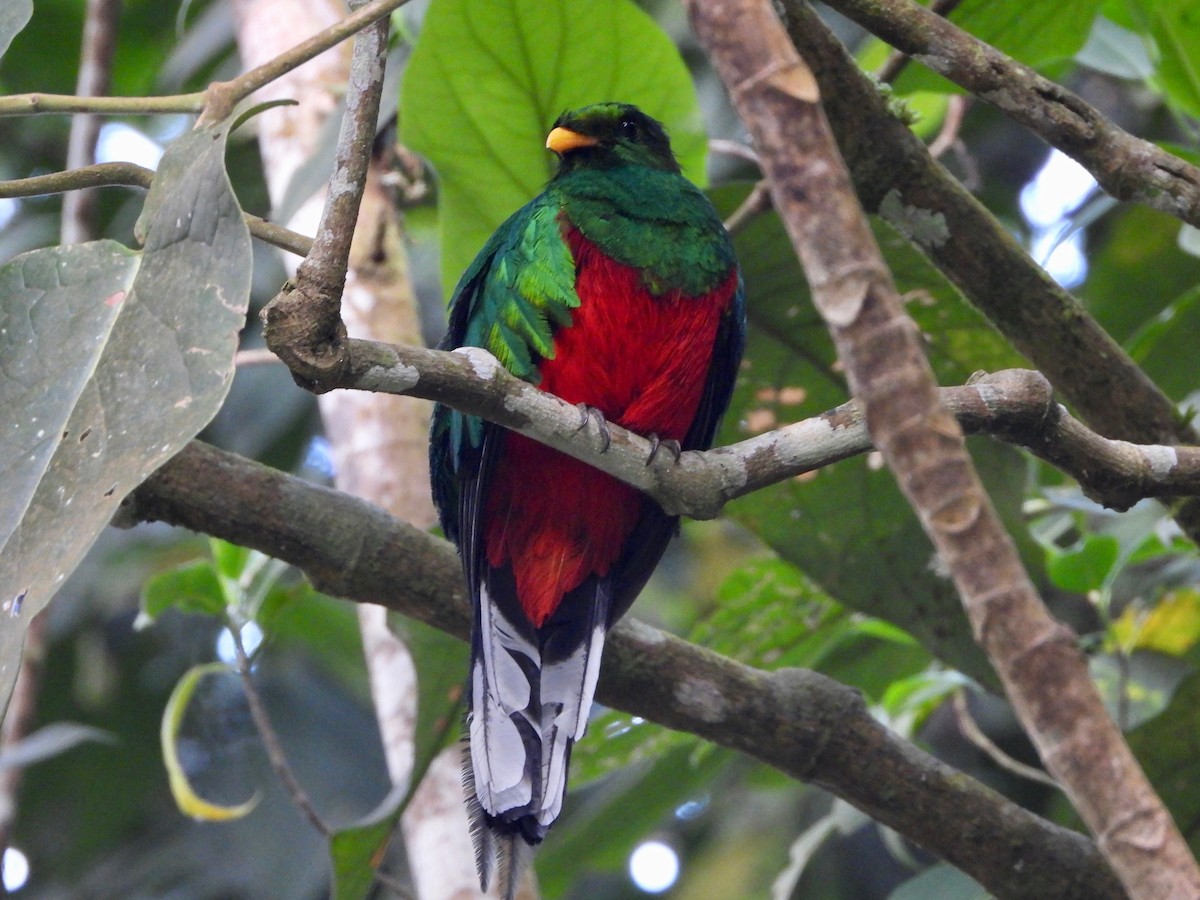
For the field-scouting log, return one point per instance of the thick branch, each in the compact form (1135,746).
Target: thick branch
(894,173)
(800,722)
(1126,166)
(303,324)
(1045,675)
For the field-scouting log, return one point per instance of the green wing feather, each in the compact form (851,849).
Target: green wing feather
(519,288)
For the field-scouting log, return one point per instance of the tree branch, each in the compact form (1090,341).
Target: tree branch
(1126,166)
(1015,405)
(1044,674)
(127,174)
(220,98)
(95,76)
(893,172)
(797,721)
(303,323)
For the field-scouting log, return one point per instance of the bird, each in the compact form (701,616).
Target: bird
(616,289)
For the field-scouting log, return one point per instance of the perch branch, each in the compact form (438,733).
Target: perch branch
(1045,675)
(799,722)
(1015,405)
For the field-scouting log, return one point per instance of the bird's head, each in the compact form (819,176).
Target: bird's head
(607,135)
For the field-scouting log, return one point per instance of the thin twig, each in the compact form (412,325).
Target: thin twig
(304,320)
(222,97)
(259,356)
(41,104)
(126,174)
(266,731)
(758,201)
(95,75)
(734,148)
(973,733)
(956,110)
(218,101)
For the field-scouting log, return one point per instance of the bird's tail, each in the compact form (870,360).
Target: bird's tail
(531,692)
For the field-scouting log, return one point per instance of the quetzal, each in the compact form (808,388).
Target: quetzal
(617,289)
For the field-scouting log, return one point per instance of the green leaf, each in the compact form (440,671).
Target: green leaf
(1086,567)
(1137,246)
(1161,345)
(230,559)
(148,372)
(1034,33)
(188,801)
(193,588)
(1116,51)
(1166,747)
(14,15)
(487,80)
(1175,27)
(942,881)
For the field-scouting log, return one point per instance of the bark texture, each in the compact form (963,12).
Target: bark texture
(1044,674)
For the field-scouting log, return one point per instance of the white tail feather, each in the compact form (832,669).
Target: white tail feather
(509,761)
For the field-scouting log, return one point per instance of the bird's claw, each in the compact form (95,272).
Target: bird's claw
(670,444)
(588,412)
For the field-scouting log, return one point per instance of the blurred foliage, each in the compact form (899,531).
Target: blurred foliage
(829,570)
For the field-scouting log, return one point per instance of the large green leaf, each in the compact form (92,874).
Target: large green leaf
(1167,748)
(848,528)
(768,615)
(488,78)
(139,378)
(1165,345)
(1175,27)
(14,15)
(1031,31)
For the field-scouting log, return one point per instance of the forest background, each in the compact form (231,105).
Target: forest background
(123,339)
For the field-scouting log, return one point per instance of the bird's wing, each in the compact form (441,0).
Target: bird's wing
(514,294)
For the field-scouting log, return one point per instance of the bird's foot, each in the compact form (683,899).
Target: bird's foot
(590,412)
(669,444)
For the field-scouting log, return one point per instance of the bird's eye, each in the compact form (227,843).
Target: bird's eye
(629,129)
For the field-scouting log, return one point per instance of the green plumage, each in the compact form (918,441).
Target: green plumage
(617,289)
(638,211)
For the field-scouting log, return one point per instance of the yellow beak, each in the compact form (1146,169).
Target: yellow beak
(561,140)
